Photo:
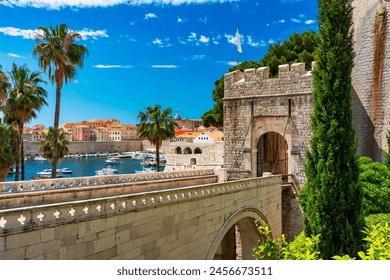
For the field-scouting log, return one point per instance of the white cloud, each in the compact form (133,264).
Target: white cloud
(179,20)
(271,41)
(192,37)
(14,55)
(150,16)
(168,66)
(17,32)
(254,44)
(203,20)
(282,21)
(216,40)
(94,34)
(199,57)
(204,39)
(197,40)
(157,41)
(310,21)
(105,66)
(31,33)
(58,4)
(162,42)
(295,20)
(232,63)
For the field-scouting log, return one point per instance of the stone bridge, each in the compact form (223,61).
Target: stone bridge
(168,215)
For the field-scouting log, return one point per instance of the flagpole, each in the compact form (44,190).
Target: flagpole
(239,49)
(238,38)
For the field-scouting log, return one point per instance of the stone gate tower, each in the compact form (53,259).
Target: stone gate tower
(267,121)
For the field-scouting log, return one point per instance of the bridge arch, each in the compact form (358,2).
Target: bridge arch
(242,222)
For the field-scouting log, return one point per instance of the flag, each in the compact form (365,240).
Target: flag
(238,40)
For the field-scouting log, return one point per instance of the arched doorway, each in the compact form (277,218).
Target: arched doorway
(272,154)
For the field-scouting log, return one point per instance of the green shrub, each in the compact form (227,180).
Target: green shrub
(377,247)
(302,248)
(377,219)
(374,179)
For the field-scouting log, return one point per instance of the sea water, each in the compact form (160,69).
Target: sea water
(81,166)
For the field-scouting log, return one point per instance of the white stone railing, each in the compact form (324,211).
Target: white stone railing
(74,182)
(44,215)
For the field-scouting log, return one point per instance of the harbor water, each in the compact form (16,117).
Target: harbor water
(81,166)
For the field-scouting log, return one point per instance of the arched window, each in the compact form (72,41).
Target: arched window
(198,150)
(187,151)
(178,151)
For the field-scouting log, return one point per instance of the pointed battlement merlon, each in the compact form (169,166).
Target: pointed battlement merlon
(251,82)
(262,73)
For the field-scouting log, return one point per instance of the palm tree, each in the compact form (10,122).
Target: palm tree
(7,134)
(156,125)
(8,148)
(58,55)
(26,97)
(4,85)
(47,145)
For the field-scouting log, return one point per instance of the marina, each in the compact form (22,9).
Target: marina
(85,165)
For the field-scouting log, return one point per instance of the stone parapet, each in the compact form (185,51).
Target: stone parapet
(75,182)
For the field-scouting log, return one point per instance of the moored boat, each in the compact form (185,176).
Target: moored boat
(106,171)
(112,160)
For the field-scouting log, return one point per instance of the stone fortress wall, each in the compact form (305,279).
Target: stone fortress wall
(32,148)
(371,76)
(255,105)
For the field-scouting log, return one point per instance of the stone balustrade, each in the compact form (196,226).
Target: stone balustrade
(40,216)
(75,182)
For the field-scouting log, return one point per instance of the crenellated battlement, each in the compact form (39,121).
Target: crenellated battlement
(291,79)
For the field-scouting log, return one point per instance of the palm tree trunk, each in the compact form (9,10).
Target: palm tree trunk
(3,174)
(19,151)
(158,156)
(22,161)
(55,132)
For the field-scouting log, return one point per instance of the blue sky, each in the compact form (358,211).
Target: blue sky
(146,52)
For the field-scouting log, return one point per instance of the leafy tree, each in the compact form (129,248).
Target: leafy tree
(47,145)
(58,54)
(333,200)
(26,97)
(156,125)
(298,48)
(8,148)
(374,180)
